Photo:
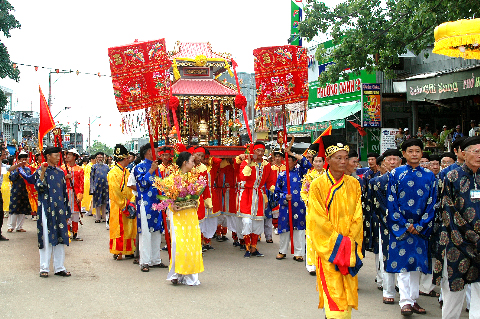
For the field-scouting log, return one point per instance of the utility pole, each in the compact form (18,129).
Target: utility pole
(75,138)
(89,129)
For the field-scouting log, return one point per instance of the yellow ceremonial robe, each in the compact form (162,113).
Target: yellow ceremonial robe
(123,230)
(6,187)
(342,218)
(307,181)
(188,250)
(87,198)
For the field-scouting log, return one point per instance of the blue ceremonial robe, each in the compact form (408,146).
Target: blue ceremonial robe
(99,184)
(373,244)
(147,195)
(298,206)
(459,236)
(53,198)
(380,186)
(19,203)
(411,195)
(368,216)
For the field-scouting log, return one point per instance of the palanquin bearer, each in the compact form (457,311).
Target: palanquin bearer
(335,215)
(318,164)
(54,212)
(272,211)
(256,173)
(205,199)
(227,181)
(123,230)
(298,210)
(74,178)
(165,154)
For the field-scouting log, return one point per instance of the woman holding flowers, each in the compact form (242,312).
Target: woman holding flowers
(181,190)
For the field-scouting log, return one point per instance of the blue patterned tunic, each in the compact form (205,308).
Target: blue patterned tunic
(147,195)
(298,206)
(53,198)
(99,184)
(459,236)
(411,194)
(19,203)
(370,231)
(379,198)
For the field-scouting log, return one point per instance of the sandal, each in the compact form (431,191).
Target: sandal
(160,265)
(175,282)
(388,301)
(298,258)
(135,261)
(97,222)
(406,310)
(281,256)
(118,257)
(21,230)
(145,268)
(270,241)
(418,310)
(10,230)
(432,293)
(63,273)
(43,274)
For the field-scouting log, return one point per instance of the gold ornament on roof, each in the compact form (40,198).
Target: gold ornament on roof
(200,60)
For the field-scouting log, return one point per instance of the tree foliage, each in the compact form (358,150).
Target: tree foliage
(7,23)
(100,147)
(371,34)
(65,128)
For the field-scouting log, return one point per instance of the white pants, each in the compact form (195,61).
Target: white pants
(222,220)
(426,281)
(100,212)
(46,252)
(298,243)
(239,226)
(453,300)
(268,228)
(149,242)
(378,270)
(190,280)
(232,223)
(251,226)
(208,227)
(408,285)
(15,221)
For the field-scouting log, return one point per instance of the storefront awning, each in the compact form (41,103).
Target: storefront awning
(321,119)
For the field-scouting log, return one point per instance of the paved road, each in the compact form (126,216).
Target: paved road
(231,286)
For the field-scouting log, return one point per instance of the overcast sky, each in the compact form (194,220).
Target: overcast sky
(75,35)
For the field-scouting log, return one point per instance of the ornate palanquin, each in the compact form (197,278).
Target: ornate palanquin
(207,109)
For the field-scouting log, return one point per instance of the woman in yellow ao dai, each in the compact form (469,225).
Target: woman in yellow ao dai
(186,261)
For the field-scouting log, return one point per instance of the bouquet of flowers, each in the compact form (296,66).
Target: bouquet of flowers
(234,125)
(180,188)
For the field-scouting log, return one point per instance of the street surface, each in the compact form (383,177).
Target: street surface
(231,286)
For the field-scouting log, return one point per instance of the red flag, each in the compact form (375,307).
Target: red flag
(46,121)
(328,131)
(359,128)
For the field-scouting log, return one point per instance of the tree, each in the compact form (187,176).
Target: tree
(65,128)
(100,147)
(371,34)
(7,23)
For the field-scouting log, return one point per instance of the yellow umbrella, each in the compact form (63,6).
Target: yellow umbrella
(458,39)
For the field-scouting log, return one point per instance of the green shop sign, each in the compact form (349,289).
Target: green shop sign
(312,127)
(445,86)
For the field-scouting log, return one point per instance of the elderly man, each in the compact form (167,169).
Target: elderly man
(335,219)
(54,211)
(99,187)
(460,235)
(74,179)
(412,193)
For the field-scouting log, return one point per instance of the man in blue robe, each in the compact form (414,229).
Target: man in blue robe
(298,212)
(459,238)
(99,187)
(149,221)
(412,193)
(379,186)
(54,212)
(368,232)
(19,203)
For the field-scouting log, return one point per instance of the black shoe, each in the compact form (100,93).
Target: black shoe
(204,248)
(242,247)
(3,238)
(236,244)
(256,253)
(165,248)
(224,238)
(208,247)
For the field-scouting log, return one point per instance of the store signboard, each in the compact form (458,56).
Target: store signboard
(445,86)
(371,105)
(387,139)
(312,127)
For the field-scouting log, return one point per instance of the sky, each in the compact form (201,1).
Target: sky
(75,35)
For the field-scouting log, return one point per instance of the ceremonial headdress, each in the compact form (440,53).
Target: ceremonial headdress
(74,152)
(51,150)
(379,159)
(313,149)
(333,144)
(120,152)
(258,145)
(449,154)
(474,140)
(352,153)
(435,158)
(179,147)
(425,155)
(278,151)
(412,142)
(458,143)
(373,154)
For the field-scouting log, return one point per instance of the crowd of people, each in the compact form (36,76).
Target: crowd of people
(417,213)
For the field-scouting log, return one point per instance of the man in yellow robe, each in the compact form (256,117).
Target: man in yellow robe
(87,198)
(123,230)
(335,218)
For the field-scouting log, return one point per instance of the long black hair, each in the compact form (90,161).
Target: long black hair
(183,157)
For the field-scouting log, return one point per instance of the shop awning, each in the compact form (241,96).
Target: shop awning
(334,115)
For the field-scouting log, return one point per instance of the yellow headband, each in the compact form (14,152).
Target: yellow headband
(332,149)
